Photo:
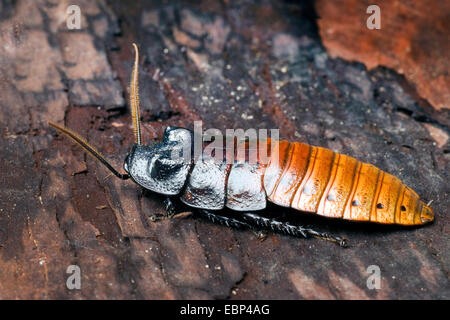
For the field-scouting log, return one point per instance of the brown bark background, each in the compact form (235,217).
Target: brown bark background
(233,65)
(412,39)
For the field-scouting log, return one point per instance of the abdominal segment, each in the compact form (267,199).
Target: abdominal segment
(320,181)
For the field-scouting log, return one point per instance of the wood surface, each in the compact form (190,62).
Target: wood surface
(243,64)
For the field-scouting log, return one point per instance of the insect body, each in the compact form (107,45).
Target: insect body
(300,176)
(296,175)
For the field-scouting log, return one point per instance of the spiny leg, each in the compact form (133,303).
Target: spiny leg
(290,229)
(223,220)
(251,221)
(231,222)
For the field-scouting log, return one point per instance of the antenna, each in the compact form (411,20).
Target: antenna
(92,151)
(134,97)
(134,102)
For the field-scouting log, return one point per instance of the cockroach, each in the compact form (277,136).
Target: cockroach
(303,177)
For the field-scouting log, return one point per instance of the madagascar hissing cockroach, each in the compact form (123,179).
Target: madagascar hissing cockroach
(300,176)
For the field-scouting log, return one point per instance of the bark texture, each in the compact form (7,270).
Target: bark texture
(231,64)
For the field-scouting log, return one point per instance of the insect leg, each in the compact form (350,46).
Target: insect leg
(170,207)
(290,229)
(232,222)
(223,220)
(170,212)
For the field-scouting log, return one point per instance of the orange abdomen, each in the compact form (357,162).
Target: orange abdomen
(320,181)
